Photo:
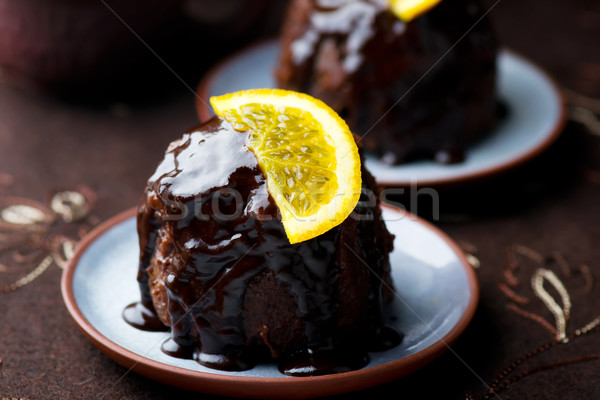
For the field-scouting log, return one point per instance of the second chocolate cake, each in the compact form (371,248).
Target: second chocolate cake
(410,90)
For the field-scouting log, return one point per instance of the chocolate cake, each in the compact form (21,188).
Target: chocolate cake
(216,267)
(418,89)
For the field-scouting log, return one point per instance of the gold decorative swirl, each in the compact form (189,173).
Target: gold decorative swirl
(21,214)
(73,205)
(27,236)
(24,216)
(61,249)
(540,277)
(561,314)
(473,260)
(470,253)
(584,110)
(30,277)
(560,308)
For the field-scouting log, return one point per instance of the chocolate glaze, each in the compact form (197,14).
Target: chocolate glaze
(229,284)
(323,362)
(409,90)
(172,348)
(141,317)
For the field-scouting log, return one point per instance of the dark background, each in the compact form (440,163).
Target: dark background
(107,128)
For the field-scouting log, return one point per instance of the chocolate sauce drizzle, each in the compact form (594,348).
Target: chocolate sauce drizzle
(217,268)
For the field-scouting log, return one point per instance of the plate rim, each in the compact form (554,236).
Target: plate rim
(204,113)
(270,387)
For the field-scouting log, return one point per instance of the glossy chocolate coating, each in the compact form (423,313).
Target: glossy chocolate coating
(409,90)
(217,267)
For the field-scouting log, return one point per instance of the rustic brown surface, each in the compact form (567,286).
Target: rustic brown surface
(545,215)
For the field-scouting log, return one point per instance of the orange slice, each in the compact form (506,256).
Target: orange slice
(305,150)
(407,10)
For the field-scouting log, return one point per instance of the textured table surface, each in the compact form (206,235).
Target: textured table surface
(66,165)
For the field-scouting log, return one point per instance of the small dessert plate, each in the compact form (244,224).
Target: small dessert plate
(536,116)
(436,296)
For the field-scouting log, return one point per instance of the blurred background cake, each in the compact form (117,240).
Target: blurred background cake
(423,88)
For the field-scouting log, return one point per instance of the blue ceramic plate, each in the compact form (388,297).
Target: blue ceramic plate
(535,119)
(437,293)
